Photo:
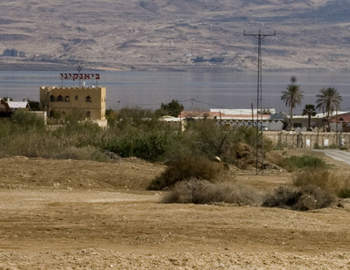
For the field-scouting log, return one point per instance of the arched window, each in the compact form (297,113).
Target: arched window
(76,97)
(66,99)
(88,99)
(52,98)
(88,114)
(59,98)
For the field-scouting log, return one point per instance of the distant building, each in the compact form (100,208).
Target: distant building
(341,122)
(18,106)
(11,106)
(230,118)
(13,53)
(7,107)
(91,100)
(10,52)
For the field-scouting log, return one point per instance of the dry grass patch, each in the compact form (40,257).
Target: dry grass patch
(329,180)
(203,192)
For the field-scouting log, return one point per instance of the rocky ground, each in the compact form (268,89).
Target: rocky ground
(68,214)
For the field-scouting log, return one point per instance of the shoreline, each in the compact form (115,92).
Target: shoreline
(38,66)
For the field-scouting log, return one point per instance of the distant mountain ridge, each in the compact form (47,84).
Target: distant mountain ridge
(176,34)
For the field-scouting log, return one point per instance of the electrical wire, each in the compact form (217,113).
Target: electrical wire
(192,100)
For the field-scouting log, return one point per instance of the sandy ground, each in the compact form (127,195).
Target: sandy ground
(66,214)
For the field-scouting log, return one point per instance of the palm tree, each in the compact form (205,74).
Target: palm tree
(292,97)
(328,101)
(309,110)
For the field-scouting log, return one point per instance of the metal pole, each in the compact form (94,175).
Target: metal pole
(336,128)
(79,70)
(259,107)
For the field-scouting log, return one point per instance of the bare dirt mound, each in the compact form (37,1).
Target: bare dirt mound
(22,172)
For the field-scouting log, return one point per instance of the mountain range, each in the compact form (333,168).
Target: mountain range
(174,34)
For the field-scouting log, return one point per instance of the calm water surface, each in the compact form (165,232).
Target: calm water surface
(196,90)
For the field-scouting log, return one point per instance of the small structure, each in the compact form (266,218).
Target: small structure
(18,106)
(341,122)
(91,100)
(229,118)
(7,107)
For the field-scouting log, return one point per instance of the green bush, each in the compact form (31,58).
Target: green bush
(302,198)
(80,134)
(299,162)
(205,137)
(203,192)
(25,134)
(128,119)
(132,132)
(149,146)
(27,121)
(198,167)
(6,128)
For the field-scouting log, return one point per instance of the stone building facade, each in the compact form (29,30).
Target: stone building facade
(91,100)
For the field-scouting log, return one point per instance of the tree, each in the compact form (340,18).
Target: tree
(292,97)
(173,108)
(309,110)
(328,101)
(33,105)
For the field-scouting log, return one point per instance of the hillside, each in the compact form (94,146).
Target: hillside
(174,34)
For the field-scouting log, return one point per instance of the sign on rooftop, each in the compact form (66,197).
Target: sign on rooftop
(80,76)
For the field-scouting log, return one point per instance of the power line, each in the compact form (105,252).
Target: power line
(180,101)
(259,36)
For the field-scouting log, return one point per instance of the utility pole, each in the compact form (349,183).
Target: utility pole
(259,36)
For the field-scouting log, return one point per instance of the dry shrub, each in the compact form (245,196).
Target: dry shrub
(344,193)
(328,180)
(274,158)
(244,155)
(299,198)
(203,192)
(185,168)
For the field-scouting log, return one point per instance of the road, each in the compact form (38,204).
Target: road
(343,156)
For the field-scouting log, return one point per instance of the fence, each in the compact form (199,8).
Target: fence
(310,140)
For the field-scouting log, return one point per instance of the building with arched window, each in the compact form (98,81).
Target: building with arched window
(91,100)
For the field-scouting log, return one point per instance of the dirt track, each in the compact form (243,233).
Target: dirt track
(65,214)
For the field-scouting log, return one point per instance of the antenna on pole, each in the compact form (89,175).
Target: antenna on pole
(259,36)
(79,69)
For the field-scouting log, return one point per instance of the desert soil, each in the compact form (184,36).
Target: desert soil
(69,214)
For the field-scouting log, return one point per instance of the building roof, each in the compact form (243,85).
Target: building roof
(320,115)
(240,111)
(224,114)
(17,104)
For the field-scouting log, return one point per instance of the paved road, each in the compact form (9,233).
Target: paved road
(336,154)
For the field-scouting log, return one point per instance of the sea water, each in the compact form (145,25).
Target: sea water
(195,90)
